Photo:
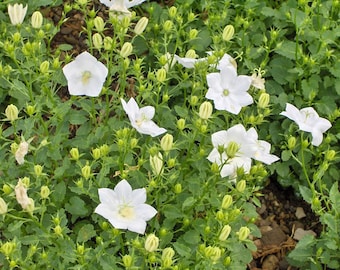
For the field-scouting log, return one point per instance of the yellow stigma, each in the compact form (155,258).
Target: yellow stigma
(86,76)
(126,212)
(225,92)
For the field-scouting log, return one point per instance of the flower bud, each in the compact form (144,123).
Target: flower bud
(171,162)
(263,101)
(12,113)
(167,142)
(96,153)
(97,41)
(44,67)
(86,171)
(205,110)
(228,32)
(151,243)
(178,188)
(44,192)
(3,206)
(30,207)
(168,253)
(126,49)
(220,215)
(181,124)
(17,13)
(58,230)
(193,100)
(193,34)
(291,143)
(38,170)
(156,163)
(215,168)
(241,186)
(330,155)
(141,25)
(167,26)
(161,75)
(6,189)
(232,149)
(127,260)
(16,37)
(8,248)
(191,54)
(108,43)
(172,12)
(104,150)
(213,253)
(74,152)
(243,233)
(224,233)
(227,201)
(37,19)
(99,24)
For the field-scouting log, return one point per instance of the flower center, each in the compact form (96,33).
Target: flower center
(86,76)
(126,212)
(139,121)
(225,92)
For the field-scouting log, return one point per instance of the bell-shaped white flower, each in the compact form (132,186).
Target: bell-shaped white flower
(308,120)
(229,90)
(120,7)
(140,118)
(17,13)
(125,208)
(85,75)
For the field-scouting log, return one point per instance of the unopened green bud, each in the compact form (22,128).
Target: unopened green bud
(215,168)
(168,253)
(108,43)
(304,144)
(232,149)
(30,110)
(178,188)
(172,12)
(133,142)
(213,253)
(141,25)
(38,170)
(191,54)
(291,143)
(3,206)
(16,37)
(126,49)
(37,19)
(181,124)
(228,32)
(224,233)
(80,249)
(166,263)
(227,201)
(193,100)
(44,67)
(125,21)
(263,101)
(44,192)
(227,261)
(161,75)
(243,233)
(58,230)
(6,189)
(25,181)
(241,186)
(156,163)
(171,162)
(8,248)
(97,41)
(191,16)
(74,152)
(220,215)
(86,171)
(205,110)
(127,260)
(12,113)
(96,153)
(104,150)
(151,243)
(330,155)
(99,24)
(30,206)
(167,142)
(167,26)
(193,34)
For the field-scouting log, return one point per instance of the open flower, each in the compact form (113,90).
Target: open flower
(140,118)
(188,62)
(125,208)
(85,75)
(120,7)
(229,90)
(308,120)
(17,13)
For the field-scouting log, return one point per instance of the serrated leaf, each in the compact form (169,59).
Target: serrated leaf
(287,49)
(189,202)
(285,155)
(59,191)
(86,233)
(306,194)
(76,206)
(192,237)
(182,250)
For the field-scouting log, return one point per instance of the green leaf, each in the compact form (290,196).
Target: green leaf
(182,250)
(65,47)
(334,196)
(287,49)
(76,206)
(285,155)
(330,221)
(306,194)
(188,203)
(303,251)
(86,233)
(59,192)
(192,237)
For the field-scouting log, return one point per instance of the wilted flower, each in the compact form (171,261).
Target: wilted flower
(140,118)
(229,90)
(21,152)
(21,195)
(85,75)
(308,120)
(17,13)
(3,206)
(125,208)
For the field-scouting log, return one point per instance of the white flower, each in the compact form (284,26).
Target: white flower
(140,118)
(85,75)
(262,149)
(17,13)
(226,61)
(308,120)
(228,90)
(126,3)
(188,62)
(125,208)
(21,152)
(257,81)
(21,195)
(231,166)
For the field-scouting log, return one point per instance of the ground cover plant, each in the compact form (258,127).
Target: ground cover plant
(149,148)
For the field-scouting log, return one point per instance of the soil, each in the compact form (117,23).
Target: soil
(282,216)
